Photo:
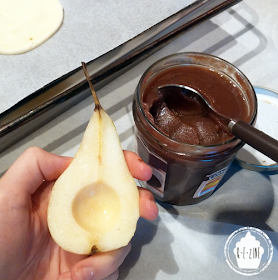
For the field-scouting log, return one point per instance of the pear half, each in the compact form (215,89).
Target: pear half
(94,204)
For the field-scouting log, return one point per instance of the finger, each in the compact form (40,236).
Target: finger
(32,168)
(64,276)
(40,198)
(113,276)
(141,171)
(137,167)
(100,265)
(147,205)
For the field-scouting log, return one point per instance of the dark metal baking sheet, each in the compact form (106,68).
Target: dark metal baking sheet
(55,98)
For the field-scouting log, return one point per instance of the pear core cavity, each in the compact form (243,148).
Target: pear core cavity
(96,208)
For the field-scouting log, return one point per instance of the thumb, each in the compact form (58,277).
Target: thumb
(29,171)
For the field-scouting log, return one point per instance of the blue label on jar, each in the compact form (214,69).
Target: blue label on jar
(210,182)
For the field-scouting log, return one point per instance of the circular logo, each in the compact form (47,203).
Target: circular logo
(248,251)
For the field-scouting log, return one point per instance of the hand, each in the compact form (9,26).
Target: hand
(27,250)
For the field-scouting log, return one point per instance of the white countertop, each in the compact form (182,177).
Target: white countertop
(188,242)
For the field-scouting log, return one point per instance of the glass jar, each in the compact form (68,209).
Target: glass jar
(185,173)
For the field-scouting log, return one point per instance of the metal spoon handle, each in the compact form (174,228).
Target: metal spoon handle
(256,138)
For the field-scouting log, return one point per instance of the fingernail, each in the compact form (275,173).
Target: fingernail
(85,273)
(155,211)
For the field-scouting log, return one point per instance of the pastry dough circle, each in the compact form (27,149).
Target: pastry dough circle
(26,24)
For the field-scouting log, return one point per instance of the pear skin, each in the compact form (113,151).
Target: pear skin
(94,204)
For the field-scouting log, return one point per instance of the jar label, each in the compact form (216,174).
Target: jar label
(159,167)
(210,183)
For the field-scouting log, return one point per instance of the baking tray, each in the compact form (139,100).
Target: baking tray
(55,98)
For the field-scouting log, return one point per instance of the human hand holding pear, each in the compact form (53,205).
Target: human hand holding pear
(27,248)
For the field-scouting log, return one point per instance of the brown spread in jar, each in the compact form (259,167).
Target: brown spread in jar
(186,120)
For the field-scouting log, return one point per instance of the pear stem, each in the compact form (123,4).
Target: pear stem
(97,104)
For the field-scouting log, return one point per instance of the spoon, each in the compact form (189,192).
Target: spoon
(244,131)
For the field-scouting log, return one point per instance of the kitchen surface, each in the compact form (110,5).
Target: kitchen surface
(184,242)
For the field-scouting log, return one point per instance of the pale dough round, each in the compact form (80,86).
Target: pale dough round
(26,24)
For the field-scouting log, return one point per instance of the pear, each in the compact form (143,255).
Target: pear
(94,204)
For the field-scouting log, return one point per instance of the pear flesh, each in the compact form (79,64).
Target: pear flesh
(94,204)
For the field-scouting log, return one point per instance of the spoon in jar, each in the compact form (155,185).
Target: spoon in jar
(244,131)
